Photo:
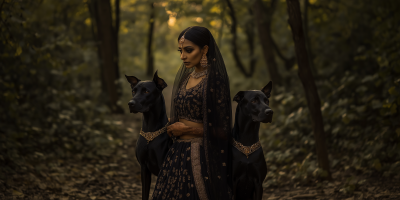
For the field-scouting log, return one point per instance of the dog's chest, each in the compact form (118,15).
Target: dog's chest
(146,150)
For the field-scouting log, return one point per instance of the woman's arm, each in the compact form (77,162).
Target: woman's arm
(179,129)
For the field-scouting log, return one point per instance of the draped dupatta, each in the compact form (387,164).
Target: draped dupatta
(217,120)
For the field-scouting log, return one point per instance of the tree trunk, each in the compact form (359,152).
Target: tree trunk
(108,50)
(220,31)
(308,42)
(307,79)
(94,18)
(235,53)
(117,22)
(249,29)
(150,58)
(263,22)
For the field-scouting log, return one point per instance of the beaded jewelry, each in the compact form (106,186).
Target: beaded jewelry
(203,61)
(182,40)
(151,135)
(198,74)
(246,150)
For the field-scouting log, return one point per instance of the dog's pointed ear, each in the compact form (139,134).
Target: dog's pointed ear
(267,89)
(239,96)
(132,80)
(160,83)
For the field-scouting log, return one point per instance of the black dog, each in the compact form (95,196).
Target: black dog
(150,151)
(249,166)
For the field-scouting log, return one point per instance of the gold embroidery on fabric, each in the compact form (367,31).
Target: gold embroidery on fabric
(204,108)
(196,167)
(193,140)
(246,150)
(149,136)
(189,101)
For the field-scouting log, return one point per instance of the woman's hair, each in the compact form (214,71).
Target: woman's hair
(197,34)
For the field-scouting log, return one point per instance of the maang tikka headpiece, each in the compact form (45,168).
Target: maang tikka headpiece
(182,40)
(203,60)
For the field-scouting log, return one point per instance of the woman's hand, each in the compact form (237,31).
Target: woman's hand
(176,129)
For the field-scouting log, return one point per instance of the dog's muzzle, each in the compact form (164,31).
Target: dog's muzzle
(132,104)
(137,107)
(268,113)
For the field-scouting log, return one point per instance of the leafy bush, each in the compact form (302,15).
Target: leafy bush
(359,86)
(50,92)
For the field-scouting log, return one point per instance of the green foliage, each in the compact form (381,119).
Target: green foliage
(356,60)
(49,93)
(50,87)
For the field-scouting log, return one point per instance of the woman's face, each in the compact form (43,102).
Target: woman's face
(191,53)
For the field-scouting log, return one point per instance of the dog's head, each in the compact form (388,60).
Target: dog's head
(144,93)
(255,103)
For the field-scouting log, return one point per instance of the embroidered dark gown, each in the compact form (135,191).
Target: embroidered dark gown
(183,174)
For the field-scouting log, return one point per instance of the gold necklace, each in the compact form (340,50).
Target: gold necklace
(149,136)
(246,150)
(195,74)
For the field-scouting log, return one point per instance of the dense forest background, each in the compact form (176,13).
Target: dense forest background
(65,129)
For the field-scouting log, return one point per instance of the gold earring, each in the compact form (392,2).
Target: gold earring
(203,61)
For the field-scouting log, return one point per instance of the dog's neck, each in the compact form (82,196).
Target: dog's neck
(156,117)
(245,129)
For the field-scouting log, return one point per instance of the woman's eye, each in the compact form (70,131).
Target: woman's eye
(180,50)
(189,51)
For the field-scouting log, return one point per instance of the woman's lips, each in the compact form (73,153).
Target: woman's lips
(186,63)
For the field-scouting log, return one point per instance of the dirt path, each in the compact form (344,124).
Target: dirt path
(117,176)
(375,189)
(114,176)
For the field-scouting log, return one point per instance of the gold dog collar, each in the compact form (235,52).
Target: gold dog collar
(246,150)
(149,136)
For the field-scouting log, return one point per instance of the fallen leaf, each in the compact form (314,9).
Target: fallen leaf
(17,193)
(305,196)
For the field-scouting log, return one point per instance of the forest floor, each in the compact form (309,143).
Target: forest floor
(118,177)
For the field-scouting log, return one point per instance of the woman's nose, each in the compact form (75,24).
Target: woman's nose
(182,56)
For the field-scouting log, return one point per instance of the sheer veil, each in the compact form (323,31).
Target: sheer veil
(217,117)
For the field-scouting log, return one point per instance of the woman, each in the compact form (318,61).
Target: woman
(198,165)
